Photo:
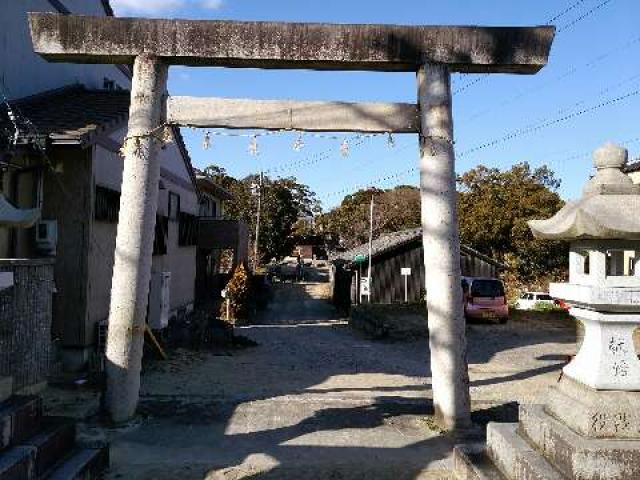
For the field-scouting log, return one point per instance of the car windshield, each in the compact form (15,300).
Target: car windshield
(545,297)
(487,288)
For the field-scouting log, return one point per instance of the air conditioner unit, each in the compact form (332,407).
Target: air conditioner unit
(47,236)
(159,300)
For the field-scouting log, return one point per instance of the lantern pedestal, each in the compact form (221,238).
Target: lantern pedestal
(607,359)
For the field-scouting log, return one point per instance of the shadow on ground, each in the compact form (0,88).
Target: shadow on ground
(313,400)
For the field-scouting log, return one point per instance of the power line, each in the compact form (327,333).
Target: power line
(601,93)
(570,71)
(367,161)
(402,173)
(546,124)
(312,160)
(541,124)
(511,136)
(586,153)
(583,16)
(559,30)
(561,14)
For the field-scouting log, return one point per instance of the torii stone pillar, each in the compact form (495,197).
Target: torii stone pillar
(447,338)
(134,241)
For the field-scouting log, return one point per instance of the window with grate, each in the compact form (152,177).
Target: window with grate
(161,235)
(107,204)
(187,230)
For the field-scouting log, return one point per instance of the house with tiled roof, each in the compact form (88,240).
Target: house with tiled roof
(61,130)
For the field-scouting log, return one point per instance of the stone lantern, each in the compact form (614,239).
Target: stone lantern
(588,425)
(604,273)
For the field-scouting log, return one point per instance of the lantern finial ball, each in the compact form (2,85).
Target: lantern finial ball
(610,155)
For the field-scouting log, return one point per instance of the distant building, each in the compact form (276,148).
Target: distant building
(223,243)
(310,247)
(390,254)
(633,170)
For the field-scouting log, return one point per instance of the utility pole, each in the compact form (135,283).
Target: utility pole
(255,253)
(370,245)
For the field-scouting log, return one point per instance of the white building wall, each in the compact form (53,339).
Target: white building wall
(180,261)
(21,69)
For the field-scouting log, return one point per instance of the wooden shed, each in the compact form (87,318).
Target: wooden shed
(391,253)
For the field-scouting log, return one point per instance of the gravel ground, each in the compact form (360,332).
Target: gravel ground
(316,400)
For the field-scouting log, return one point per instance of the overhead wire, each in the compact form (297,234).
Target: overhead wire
(569,72)
(559,30)
(547,123)
(513,135)
(567,10)
(582,17)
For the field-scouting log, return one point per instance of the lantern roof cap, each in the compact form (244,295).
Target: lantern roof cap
(608,207)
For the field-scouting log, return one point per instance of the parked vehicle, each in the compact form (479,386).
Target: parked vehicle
(485,298)
(530,300)
(562,304)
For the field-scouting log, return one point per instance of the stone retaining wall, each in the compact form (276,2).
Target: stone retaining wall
(25,321)
(394,321)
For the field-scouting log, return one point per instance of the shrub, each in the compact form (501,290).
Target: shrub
(238,296)
(547,307)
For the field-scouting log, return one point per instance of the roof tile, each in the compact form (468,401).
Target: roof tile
(72,113)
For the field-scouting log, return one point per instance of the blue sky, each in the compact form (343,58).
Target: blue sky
(595,60)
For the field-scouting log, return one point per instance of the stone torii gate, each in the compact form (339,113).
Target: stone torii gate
(434,52)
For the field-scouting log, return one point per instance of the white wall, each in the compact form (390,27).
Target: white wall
(21,69)
(180,261)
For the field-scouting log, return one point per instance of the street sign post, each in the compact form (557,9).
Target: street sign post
(405,272)
(360,258)
(365,287)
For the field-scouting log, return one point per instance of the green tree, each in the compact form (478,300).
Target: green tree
(494,207)
(394,209)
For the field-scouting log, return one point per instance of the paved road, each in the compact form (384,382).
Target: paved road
(314,400)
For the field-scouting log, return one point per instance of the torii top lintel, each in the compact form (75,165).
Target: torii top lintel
(468,49)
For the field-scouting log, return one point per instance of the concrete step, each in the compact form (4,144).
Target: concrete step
(515,457)
(19,419)
(577,456)
(18,463)
(315,472)
(84,463)
(6,388)
(471,462)
(53,442)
